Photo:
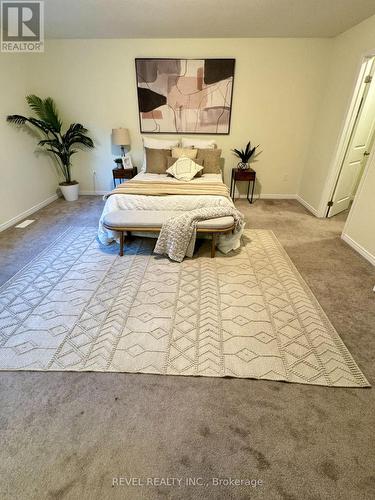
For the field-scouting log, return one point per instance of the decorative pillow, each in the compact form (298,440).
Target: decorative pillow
(211,160)
(171,161)
(154,143)
(184,169)
(188,152)
(198,143)
(156,160)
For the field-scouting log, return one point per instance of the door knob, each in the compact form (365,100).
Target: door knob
(366,153)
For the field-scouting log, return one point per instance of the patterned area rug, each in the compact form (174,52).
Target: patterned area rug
(80,307)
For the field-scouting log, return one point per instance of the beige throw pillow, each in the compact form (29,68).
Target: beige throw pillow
(184,169)
(211,160)
(188,152)
(155,143)
(156,160)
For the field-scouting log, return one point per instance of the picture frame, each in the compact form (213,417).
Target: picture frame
(127,163)
(185,96)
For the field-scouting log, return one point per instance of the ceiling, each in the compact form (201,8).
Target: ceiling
(202,18)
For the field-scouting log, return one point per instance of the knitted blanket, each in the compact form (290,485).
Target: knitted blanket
(178,234)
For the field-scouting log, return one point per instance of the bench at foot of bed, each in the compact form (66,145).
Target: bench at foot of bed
(127,221)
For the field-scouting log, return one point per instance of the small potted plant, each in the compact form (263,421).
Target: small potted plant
(61,145)
(119,164)
(244,155)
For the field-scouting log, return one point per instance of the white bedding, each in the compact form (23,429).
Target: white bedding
(170,202)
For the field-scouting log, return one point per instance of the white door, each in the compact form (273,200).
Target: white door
(358,148)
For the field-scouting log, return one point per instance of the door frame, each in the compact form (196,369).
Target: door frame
(344,138)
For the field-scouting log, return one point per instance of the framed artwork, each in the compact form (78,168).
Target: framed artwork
(185,96)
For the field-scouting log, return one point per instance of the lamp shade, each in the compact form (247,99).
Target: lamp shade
(120,137)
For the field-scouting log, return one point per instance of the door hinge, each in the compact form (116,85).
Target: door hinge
(330,204)
(368,79)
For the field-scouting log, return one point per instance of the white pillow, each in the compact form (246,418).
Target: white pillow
(198,143)
(184,169)
(154,143)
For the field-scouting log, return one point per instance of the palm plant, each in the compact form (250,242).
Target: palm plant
(47,121)
(245,154)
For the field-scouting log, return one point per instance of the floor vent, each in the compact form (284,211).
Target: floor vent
(25,223)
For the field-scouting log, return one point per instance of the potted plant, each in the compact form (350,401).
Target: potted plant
(61,145)
(119,163)
(244,155)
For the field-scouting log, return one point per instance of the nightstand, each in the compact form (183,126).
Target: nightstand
(248,175)
(123,173)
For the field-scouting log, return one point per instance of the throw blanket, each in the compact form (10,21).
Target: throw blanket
(164,188)
(178,234)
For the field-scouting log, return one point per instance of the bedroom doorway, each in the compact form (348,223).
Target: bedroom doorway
(358,141)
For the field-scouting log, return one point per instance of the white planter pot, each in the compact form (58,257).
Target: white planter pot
(71,192)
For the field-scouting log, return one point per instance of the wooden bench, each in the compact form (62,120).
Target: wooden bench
(151,221)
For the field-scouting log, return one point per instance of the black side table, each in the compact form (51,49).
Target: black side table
(123,173)
(248,175)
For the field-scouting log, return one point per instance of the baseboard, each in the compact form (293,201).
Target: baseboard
(275,196)
(358,248)
(269,196)
(309,207)
(28,212)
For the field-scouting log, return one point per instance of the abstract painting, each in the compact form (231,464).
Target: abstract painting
(190,96)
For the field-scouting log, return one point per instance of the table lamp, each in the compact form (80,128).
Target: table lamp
(120,137)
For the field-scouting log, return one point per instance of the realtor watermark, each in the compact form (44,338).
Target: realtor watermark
(22,26)
(183,482)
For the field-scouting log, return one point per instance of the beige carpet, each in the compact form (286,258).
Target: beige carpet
(80,307)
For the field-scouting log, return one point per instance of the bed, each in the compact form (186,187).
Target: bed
(172,202)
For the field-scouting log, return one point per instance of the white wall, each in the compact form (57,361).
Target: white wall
(277,89)
(26,180)
(348,50)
